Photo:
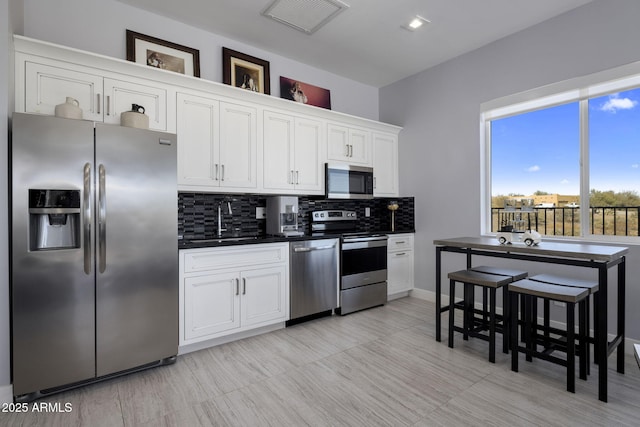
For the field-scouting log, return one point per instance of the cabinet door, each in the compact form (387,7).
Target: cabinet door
(47,86)
(265,296)
(309,170)
(120,95)
(212,304)
(349,145)
(278,151)
(198,141)
(338,143)
(399,271)
(385,165)
(360,146)
(238,146)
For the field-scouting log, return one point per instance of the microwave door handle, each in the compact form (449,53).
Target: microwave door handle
(86,213)
(102,220)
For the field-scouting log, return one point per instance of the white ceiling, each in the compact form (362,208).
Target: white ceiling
(366,42)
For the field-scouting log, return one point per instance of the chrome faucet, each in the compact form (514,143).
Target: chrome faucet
(229,211)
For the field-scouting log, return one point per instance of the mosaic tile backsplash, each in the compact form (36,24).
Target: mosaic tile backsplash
(198,214)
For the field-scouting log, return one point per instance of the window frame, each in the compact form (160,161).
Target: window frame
(579,89)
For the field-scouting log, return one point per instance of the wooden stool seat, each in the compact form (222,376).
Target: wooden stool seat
(591,285)
(514,274)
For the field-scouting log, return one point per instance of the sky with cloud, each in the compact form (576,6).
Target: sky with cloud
(540,150)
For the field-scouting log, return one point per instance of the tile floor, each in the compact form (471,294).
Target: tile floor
(379,367)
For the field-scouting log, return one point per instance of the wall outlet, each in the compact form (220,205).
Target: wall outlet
(367,212)
(260,212)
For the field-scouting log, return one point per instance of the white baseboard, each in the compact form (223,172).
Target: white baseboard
(431,297)
(6,393)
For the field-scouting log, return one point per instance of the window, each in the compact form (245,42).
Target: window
(566,163)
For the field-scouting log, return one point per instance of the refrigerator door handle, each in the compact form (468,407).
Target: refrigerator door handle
(87,218)
(102,220)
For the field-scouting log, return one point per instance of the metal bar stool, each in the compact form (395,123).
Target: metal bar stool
(571,296)
(591,285)
(471,325)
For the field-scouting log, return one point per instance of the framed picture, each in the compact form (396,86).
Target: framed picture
(246,72)
(162,54)
(304,93)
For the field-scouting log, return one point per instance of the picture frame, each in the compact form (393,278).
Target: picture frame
(245,71)
(158,53)
(304,93)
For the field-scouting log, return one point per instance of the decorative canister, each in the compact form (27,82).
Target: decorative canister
(136,118)
(70,109)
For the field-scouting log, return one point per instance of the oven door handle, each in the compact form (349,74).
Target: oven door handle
(364,239)
(312,248)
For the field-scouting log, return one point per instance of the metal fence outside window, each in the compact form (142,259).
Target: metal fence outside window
(565,221)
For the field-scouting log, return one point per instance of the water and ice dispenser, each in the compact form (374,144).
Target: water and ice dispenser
(54,219)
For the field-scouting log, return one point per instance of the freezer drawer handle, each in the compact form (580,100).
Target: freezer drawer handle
(102,220)
(313,248)
(86,201)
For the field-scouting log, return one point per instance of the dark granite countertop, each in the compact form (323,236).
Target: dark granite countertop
(252,240)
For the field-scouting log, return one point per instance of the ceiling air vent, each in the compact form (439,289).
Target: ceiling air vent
(305,15)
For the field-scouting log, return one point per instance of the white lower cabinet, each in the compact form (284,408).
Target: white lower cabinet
(232,289)
(400,262)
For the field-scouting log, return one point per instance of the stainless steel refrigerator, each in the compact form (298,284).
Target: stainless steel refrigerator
(94,258)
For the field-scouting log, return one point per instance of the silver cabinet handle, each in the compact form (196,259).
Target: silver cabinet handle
(374,182)
(244,286)
(346,150)
(297,177)
(222,168)
(401,254)
(216,174)
(108,105)
(400,242)
(291,181)
(102,219)
(351,148)
(98,107)
(86,210)
(237,286)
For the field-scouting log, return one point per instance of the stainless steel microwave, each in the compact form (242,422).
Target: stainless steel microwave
(348,182)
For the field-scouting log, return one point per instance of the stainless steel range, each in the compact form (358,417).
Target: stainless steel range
(363,260)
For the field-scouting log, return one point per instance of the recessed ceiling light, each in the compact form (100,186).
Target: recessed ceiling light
(416,23)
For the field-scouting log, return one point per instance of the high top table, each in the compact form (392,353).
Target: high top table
(599,257)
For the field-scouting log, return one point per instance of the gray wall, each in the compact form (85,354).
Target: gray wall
(439,110)
(99,26)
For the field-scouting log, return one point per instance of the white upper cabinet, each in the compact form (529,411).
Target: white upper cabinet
(120,95)
(47,86)
(238,146)
(293,159)
(101,99)
(217,144)
(229,140)
(198,141)
(349,145)
(385,165)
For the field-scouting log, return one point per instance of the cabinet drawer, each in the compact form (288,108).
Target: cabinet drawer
(196,260)
(400,242)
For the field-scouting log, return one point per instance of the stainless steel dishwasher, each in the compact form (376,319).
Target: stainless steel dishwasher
(314,276)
